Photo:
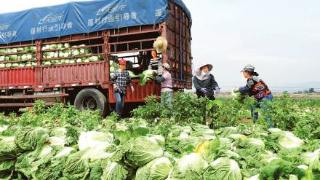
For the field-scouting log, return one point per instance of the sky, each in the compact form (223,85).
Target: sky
(280,37)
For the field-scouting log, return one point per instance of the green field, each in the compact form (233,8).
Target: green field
(196,139)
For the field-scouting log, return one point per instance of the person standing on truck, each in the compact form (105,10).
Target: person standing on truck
(257,88)
(155,63)
(121,80)
(166,86)
(205,83)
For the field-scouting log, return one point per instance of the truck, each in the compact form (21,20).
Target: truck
(64,53)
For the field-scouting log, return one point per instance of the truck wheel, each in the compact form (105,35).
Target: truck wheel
(91,99)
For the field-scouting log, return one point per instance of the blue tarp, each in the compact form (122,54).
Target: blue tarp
(81,17)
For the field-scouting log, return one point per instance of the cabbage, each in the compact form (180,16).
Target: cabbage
(157,169)
(94,139)
(79,60)
(56,141)
(190,166)
(288,140)
(8,148)
(13,57)
(114,171)
(28,64)
(224,169)
(2,65)
(15,65)
(82,51)
(76,167)
(66,45)
(257,143)
(53,46)
(75,52)
(8,65)
(95,144)
(31,138)
(47,63)
(6,169)
(256,177)
(312,159)
(238,137)
(3,128)
(94,58)
(53,170)
(268,156)
(29,163)
(60,46)
(143,150)
(29,56)
(66,151)
(275,131)
(22,65)
(225,132)
(145,76)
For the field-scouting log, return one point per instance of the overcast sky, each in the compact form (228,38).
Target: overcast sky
(280,37)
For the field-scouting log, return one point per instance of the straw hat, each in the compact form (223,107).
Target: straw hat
(161,44)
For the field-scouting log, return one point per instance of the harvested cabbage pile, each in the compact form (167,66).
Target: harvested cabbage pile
(67,54)
(60,143)
(17,57)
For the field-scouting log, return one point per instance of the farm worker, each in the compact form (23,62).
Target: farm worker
(166,86)
(121,80)
(205,83)
(156,66)
(155,63)
(257,88)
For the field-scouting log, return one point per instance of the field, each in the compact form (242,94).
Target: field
(196,139)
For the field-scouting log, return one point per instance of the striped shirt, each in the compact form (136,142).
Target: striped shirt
(156,65)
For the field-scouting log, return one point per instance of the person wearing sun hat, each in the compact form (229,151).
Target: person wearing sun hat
(205,83)
(257,88)
(121,80)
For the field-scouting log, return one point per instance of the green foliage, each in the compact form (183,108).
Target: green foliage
(160,142)
(186,108)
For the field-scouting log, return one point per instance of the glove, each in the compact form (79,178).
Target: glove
(204,90)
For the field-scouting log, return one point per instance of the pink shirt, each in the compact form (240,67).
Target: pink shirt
(166,85)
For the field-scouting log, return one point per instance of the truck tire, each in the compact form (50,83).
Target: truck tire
(91,99)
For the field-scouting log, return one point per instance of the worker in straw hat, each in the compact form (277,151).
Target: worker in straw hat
(257,88)
(205,83)
(159,46)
